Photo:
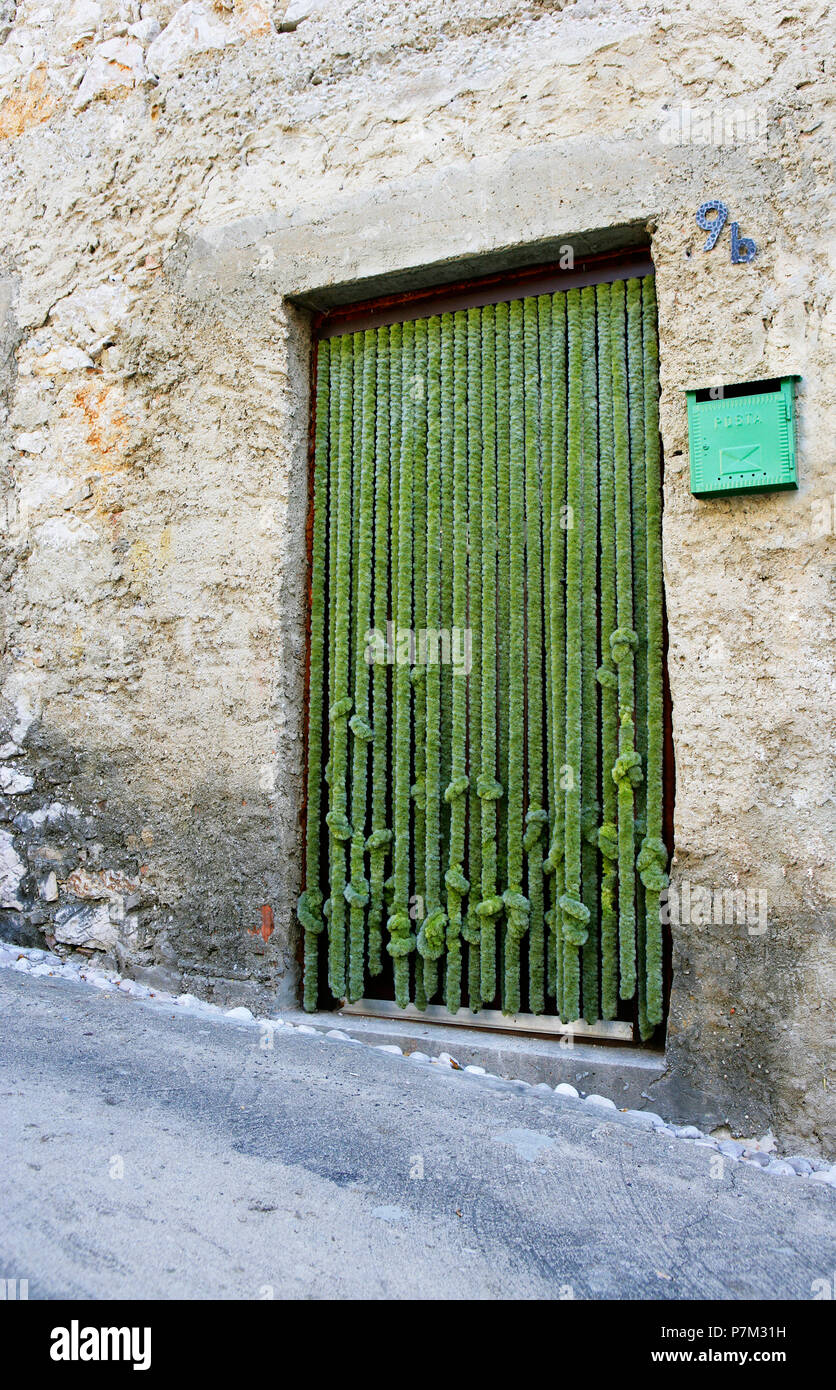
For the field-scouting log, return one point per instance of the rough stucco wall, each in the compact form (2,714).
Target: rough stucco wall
(163,193)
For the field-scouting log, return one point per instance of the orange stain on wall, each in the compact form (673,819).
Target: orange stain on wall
(31,105)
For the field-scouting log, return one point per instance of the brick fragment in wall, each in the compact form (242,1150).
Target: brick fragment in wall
(105,883)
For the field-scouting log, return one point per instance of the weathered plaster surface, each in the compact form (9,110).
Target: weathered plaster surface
(174,179)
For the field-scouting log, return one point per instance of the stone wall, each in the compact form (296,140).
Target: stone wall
(180,184)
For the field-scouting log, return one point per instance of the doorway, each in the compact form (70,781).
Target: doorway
(487,819)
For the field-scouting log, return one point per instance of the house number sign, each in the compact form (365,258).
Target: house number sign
(743,249)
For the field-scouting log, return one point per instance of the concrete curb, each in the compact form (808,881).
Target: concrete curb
(623,1073)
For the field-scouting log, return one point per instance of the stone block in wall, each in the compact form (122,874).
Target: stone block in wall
(12,871)
(90,927)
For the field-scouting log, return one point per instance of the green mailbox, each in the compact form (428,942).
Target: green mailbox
(742,438)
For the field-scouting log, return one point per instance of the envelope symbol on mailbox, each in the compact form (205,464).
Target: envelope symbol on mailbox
(741,458)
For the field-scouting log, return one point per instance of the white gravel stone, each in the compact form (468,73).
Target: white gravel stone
(307,1029)
(732,1148)
(780,1168)
(476,1071)
(689,1132)
(825,1175)
(799,1164)
(418,1057)
(643,1119)
(389,1047)
(563,1088)
(602,1101)
(241,1013)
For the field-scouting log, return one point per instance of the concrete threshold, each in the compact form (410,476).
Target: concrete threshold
(622,1073)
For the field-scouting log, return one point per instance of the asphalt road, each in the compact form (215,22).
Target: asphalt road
(152,1153)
